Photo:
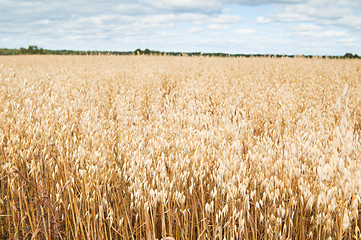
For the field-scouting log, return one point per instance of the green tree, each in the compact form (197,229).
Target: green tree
(23,50)
(138,51)
(348,55)
(32,49)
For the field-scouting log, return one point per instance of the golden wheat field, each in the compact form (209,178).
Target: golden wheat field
(149,147)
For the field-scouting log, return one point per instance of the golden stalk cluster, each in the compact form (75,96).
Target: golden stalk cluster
(146,147)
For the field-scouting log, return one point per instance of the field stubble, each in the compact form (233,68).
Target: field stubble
(145,147)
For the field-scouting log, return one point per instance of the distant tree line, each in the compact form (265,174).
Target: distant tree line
(36,50)
(151,52)
(33,50)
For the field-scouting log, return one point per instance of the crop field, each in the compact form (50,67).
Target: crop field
(149,147)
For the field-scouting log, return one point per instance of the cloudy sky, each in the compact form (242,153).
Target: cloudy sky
(322,27)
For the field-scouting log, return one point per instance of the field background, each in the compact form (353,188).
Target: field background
(144,147)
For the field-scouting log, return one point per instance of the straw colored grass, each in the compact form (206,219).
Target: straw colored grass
(145,147)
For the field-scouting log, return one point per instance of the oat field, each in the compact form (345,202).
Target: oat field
(149,147)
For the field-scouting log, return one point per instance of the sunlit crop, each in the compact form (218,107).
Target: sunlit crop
(145,147)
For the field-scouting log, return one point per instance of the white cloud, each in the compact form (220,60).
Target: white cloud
(262,20)
(208,5)
(5,40)
(351,22)
(185,5)
(320,9)
(226,18)
(305,28)
(349,42)
(244,31)
(292,17)
(332,34)
(315,34)
(306,34)
(262,2)
(196,18)
(195,30)
(323,12)
(218,27)
(43,22)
